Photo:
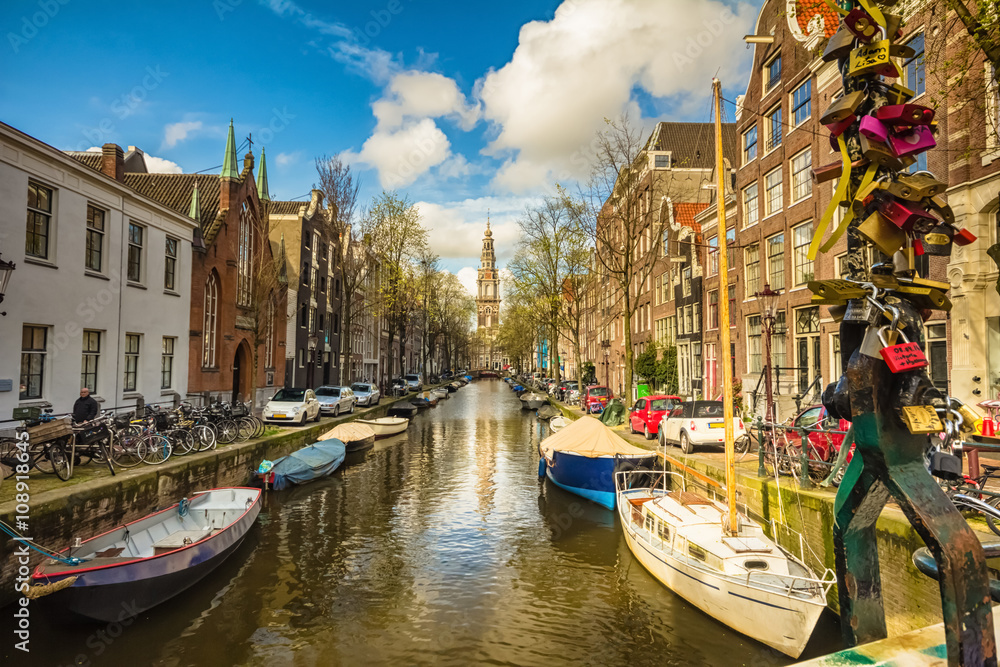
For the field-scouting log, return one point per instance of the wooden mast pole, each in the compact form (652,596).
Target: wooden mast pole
(727,361)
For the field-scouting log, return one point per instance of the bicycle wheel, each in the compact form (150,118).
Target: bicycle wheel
(8,457)
(40,459)
(993,523)
(228,431)
(127,451)
(158,449)
(246,429)
(181,441)
(59,460)
(204,437)
(259,426)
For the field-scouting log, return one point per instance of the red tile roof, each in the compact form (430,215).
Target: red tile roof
(805,10)
(684,213)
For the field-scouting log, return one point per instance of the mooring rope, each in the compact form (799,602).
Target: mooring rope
(41,590)
(37,547)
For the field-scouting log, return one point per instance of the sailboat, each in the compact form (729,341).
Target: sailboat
(714,557)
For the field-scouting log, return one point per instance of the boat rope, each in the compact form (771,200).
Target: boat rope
(49,553)
(41,590)
(182,507)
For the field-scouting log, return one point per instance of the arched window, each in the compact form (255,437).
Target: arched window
(244,260)
(269,342)
(211,321)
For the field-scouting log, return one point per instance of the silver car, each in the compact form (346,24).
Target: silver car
(366,394)
(336,399)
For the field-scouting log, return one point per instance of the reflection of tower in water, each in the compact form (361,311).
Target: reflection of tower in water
(485,446)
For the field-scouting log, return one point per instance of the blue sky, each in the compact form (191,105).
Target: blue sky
(463,108)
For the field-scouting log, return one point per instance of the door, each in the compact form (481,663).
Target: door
(638,415)
(312,404)
(672,424)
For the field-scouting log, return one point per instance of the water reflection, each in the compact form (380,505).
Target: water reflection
(438,546)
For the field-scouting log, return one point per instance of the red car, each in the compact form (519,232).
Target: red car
(647,413)
(595,399)
(822,446)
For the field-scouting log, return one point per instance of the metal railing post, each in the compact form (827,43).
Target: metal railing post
(761,470)
(805,482)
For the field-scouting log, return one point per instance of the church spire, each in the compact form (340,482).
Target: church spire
(229,162)
(262,191)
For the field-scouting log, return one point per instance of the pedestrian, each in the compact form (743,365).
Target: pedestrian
(85,408)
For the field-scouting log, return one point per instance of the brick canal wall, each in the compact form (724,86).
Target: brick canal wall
(88,508)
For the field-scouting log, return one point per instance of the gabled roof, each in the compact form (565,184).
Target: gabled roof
(285,207)
(684,213)
(90,159)
(692,145)
(174,191)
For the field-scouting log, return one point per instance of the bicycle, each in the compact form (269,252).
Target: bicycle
(975,487)
(45,448)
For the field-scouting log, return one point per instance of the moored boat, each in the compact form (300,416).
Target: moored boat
(557,423)
(402,409)
(135,567)
(430,397)
(421,403)
(355,436)
(440,392)
(319,459)
(386,426)
(547,412)
(533,401)
(453,387)
(584,456)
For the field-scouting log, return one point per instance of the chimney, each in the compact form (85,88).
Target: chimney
(113,162)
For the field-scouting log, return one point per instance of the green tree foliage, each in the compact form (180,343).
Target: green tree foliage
(646,363)
(666,372)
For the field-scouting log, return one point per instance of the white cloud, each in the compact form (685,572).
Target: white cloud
(416,94)
(456,229)
(174,133)
(402,155)
(285,159)
(568,74)
(468,276)
(157,165)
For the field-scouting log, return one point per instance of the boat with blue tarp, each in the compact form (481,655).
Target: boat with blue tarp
(305,465)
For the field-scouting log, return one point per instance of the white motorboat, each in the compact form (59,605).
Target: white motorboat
(745,581)
(440,392)
(386,426)
(557,423)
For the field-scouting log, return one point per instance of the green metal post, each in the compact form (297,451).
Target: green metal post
(805,482)
(761,470)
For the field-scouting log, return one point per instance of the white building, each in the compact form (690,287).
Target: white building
(101,291)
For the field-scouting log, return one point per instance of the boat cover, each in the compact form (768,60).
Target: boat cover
(589,437)
(309,463)
(548,412)
(614,413)
(350,432)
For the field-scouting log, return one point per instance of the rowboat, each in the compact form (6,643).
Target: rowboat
(430,397)
(533,401)
(547,412)
(355,436)
(386,426)
(583,458)
(557,423)
(135,567)
(403,409)
(440,392)
(319,459)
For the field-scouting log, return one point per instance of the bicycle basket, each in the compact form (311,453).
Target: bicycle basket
(27,414)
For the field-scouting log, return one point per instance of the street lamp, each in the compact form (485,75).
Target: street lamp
(606,346)
(6,268)
(313,343)
(768,300)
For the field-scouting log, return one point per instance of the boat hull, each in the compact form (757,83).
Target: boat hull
(113,593)
(591,478)
(405,412)
(772,619)
(383,430)
(360,445)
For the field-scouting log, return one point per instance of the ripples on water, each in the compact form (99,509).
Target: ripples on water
(439,546)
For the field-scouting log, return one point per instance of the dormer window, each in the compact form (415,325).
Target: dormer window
(661,161)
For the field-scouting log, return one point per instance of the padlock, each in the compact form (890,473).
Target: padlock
(863,198)
(839,46)
(827,172)
(937,242)
(903,356)
(883,155)
(837,289)
(887,237)
(862,310)
(905,114)
(903,51)
(945,465)
(914,187)
(861,24)
(897,93)
(838,128)
(969,417)
(921,419)
(913,141)
(919,281)
(924,298)
(963,237)
(940,207)
(842,107)
(893,24)
(907,216)
(871,345)
(872,59)
(874,129)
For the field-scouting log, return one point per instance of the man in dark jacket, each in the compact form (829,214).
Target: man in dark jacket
(85,407)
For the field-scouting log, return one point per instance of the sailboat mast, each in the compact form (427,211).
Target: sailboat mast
(727,357)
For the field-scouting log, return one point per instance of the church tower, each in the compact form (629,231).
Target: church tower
(488,284)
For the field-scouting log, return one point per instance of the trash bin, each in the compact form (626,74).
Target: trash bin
(642,391)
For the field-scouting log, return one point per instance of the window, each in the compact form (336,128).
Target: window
(801,264)
(992,107)
(696,367)
(772,187)
(135,237)
(244,261)
(131,362)
(802,184)
(696,316)
(802,102)
(750,144)
(753,344)
(713,309)
(778,357)
(807,345)
(920,164)
(732,305)
(713,255)
(914,67)
(33,350)
(167,363)
(730,249)
(269,341)
(211,322)
(837,367)
(91,354)
(937,354)
(36,242)
(772,75)
(661,161)
(306,273)
(772,124)
(750,213)
(686,281)
(711,365)
(776,261)
(170,265)
(94,257)
(751,270)
(322,283)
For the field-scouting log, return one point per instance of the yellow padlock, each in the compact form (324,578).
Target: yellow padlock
(872,58)
(921,419)
(836,290)
(886,236)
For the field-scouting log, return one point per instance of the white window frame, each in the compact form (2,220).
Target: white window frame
(765,78)
(769,144)
(803,268)
(756,144)
(140,249)
(791,103)
(211,322)
(756,207)
(804,173)
(132,364)
(768,211)
(90,353)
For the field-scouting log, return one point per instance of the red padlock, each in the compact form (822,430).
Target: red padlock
(918,247)
(964,237)
(905,114)
(861,24)
(908,216)
(901,357)
(837,129)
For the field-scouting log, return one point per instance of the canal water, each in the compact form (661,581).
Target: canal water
(439,546)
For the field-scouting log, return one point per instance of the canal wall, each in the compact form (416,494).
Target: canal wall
(87,508)
(912,600)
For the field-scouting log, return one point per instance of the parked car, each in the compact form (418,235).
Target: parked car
(413,381)
(366,393)
(595,399)
(647,413)
(292,405)
(336,399)
(697,423)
